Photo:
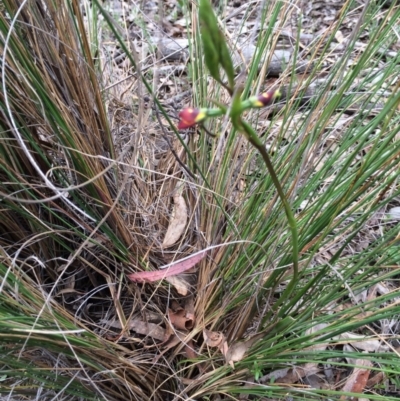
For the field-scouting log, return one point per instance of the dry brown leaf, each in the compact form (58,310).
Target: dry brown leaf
(189,350)
(180,285)
(141,327)
(216,339)
(276,375)
(149,329)
(377,379)
(181,319)
(290,376)
(237,351)
(177,338)
(357,381)
(213,338)
(171,343)
(178,220)
(189,307)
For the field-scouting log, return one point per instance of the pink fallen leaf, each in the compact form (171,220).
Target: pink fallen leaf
(169,270)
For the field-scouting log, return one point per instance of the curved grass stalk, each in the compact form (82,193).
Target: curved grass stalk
(252,137)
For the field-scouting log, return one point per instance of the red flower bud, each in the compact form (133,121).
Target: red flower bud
(189,117)
(265,98)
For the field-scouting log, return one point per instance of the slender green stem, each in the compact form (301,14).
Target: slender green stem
(255,141)
(222,108)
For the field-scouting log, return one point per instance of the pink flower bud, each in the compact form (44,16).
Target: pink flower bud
(189,117)
(265,98)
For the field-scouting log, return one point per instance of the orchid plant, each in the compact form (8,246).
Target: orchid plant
(217,57)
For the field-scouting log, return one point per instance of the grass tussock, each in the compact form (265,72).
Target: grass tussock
(90,184)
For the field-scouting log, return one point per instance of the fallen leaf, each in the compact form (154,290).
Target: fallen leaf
(141,327)
(189,350)
(178,220)
(313,330)
(357,381)
(189,306)
(171,343)
(180,285)
(290,376)
(180,319)
(377,379)
(237,351)
(175,339)
(276,375)
(169,270)
(213,338)
(315,381)
(216,339)
(361,342)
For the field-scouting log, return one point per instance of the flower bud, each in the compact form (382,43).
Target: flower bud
(264,99)
(189,117)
